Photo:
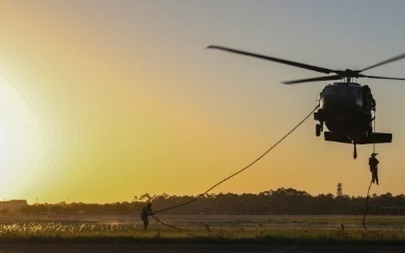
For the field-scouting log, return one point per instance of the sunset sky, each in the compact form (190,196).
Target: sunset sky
(101,101)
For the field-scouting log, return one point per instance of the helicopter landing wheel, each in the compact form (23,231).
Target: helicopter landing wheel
(355,152)
(318,129)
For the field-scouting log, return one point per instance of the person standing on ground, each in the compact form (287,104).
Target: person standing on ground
(146,211)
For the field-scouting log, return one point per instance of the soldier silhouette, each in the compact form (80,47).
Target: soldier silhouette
(146,211)
(373,162)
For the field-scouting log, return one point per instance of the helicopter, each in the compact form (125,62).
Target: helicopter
(347,108)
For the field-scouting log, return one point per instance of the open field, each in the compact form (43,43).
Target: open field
(197,248)
(205,228)
(201,234)
(231,221)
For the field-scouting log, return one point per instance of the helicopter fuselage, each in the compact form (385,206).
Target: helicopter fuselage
(346,110)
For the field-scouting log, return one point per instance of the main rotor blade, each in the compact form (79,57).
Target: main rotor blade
(314,79)
(269,58)
(399,57)
(383,77)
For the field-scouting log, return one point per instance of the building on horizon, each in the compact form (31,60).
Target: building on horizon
(13,205)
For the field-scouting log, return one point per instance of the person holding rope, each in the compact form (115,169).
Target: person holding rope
(373,162)
(146,211)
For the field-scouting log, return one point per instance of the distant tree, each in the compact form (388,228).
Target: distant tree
(325,204)
(281,201)
(145,197)
(56,209)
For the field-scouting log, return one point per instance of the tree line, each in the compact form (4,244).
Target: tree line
(273,202)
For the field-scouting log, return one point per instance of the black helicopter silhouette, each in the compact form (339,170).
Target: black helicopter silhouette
(347,108)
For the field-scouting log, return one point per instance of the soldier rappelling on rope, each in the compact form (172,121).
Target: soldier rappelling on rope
(373,162)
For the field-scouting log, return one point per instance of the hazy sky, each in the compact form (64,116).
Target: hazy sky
(104,100)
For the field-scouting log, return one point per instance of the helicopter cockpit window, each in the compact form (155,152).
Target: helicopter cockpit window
(345,90)
(330,90)
(354,90)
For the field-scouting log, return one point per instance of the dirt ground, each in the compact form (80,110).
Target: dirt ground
(194,248)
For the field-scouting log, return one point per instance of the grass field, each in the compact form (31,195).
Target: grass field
(205,228)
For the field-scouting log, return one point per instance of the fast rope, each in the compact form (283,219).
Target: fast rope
(374,133)
(236,173)
(369,187)
(365,213)
(163,223)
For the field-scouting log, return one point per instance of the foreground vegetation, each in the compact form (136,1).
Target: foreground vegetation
(295,229)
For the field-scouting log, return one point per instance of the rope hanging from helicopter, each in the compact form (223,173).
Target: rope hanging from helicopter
(231,176)
(374,133)
(371,181)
